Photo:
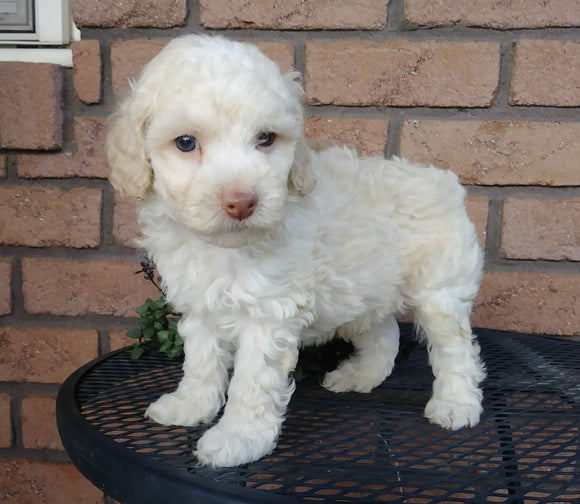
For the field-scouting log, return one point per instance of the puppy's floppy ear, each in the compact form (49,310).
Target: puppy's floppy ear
(131,172)
(302,174)
(294,83)
(302,178)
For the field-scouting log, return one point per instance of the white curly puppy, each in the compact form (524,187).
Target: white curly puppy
(265,245)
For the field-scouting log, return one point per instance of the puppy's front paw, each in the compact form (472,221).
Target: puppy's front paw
(178,409)
(452,415)
(220,447)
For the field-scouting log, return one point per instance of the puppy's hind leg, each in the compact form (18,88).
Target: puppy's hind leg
(374,358)
(454,358)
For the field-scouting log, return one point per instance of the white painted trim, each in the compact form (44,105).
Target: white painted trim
(53,21)
(55,56)
(53,25)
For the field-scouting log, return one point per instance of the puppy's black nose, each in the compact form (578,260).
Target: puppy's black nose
(239,205)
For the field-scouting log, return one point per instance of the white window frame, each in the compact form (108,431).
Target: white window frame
(53,26)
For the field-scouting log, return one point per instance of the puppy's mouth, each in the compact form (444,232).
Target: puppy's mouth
(234,233)
(239,226)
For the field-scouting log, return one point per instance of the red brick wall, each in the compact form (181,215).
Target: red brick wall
(490,90)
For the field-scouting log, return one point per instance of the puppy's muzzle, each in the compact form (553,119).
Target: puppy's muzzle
(239,205)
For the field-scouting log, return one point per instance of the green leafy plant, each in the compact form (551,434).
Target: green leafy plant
(157,325)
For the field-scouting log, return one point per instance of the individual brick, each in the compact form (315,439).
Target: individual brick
(87,160)
(39,430)
(537,229)
(402,73)
(5,421)
(44,355)
(125,227)
(478,210)
(50,217)
(546,72)
(497,152)
(280,52)
(507,14)
(130,56)
(529,303)
(73,288)
(31,101)
(119,339)
(130,13)
(294,14)
(87,70)
(28,481)
(5,287)
(367,135)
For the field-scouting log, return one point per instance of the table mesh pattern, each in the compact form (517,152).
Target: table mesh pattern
(377,447)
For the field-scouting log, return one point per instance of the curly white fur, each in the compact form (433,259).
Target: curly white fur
(336,244)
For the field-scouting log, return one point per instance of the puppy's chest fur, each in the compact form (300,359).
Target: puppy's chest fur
(225,285)
(302,280)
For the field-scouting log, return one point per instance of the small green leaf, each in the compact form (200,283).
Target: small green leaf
(148,321)
(163,336)
(136,352)
(148,333)
(160,304)
(174,352)
(142,310)
(134,333)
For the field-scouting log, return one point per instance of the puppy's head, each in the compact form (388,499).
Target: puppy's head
(214,130)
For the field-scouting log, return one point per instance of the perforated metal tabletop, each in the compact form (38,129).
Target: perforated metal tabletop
(363,448)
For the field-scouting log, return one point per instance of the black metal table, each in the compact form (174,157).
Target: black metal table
(359,448)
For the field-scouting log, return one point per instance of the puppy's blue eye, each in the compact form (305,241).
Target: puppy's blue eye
(186,143)
(266,139)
